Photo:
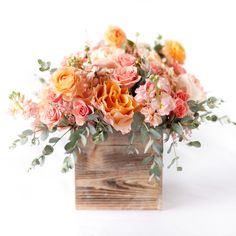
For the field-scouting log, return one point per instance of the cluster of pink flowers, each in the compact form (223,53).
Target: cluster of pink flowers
(117,78)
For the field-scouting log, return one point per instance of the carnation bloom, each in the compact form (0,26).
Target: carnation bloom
(191,86)
(126,76)
(80,110)
(65,81)
(115,36)
(174,51)
(50,115)
(116,104)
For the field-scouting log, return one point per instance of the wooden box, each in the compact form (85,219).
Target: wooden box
(106,177)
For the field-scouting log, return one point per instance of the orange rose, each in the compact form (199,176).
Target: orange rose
(115,37)
(117,105)
(174,51)
(65,81)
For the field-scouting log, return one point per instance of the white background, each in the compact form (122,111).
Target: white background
(201,200)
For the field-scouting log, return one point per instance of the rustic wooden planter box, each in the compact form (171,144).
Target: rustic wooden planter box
(106,177)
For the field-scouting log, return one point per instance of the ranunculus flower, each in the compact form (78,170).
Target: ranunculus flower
(65,81)
(115,36)
(50,115)
(191,85)
(126,59)
(174,51)
(117,105)
(126,76)
(181,108)
(81,110)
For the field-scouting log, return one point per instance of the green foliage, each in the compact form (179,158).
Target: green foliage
(48,149)
(67,164)
(44,66)
(138,119)
(196,144)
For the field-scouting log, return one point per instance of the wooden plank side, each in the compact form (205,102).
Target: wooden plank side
(106,177)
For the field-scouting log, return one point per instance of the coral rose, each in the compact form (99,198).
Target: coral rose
(116,104)
(115,36)
(126,76)
(174,51)
(181,108)
(65,81)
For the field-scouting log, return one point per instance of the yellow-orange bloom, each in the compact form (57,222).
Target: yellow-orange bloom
(115,36)
(65,81)
(117,105)
(174,51)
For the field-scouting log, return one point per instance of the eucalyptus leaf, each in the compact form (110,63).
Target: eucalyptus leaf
(157,133)
(157,148)
(48,149)
(177,128)
(138,119)
(196,144)
(148,145)
(54,140)
(148,159)
(28,132)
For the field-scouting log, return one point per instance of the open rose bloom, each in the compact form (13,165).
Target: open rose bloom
(117,85)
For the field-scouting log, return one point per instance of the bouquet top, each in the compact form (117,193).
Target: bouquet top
(117,85)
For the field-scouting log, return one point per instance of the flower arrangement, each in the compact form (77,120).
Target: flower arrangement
(117,85)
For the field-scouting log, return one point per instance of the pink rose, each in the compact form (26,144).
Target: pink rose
(81,110)
(182,95)
(50,115)
(126,76)
(126,59)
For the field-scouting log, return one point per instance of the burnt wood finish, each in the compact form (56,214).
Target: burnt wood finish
(106,177)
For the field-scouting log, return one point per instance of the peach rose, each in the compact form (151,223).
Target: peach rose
(81,111)
(126,76)
(65,81)
(115,36)
(174,51)
(189,84)
(116,104)
(50,115)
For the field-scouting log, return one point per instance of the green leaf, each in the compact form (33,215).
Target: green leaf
(212,102)
(157,148)
(157,133)
(23,140)
(177,128)
(138,119)
(48,149)
(146,160)
(196,144)
(54,140)
(35,162)
(155,171)
(44,135)
(179,168)
(92,129)
(76,135)
(28,132)
(170,148)
(70,146)
(100,137)
(44,66)
(67,164)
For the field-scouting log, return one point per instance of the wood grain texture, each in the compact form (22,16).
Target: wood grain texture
(106,177)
